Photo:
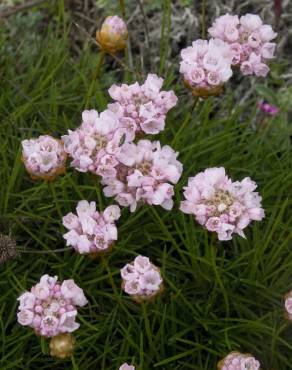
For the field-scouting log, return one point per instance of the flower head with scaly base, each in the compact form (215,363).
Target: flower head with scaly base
(92,146)
(44,157)
(143,107)
(206,66)
(222,206)
(144,174)
(91,231)
(125,366)
(50,306)
(113,34)
(141,279)
(249,40)
(238,361)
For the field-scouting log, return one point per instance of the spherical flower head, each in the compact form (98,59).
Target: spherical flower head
(143,107)
(248,37)
(141,279)
(90,231)
(62,345)
(92,146)
(44,158)
(125,366)
(206,66)
(113,34)
(50,308)
(269,109)
(238,361)
(220,205)
(144,175)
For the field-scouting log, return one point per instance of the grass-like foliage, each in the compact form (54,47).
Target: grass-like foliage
(219,296)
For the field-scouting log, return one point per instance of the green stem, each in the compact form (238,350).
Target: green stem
(203,18)
(122,8)
(99,65)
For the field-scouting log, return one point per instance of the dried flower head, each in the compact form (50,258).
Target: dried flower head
(50,308)
(249,40)
(206,66)
(8,248)
(44,157)
(91,231)
(222,206)
(62,345)
(113,34)
(141,279)
(238,361)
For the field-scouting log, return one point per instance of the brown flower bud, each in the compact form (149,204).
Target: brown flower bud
(62,345)
(113,34)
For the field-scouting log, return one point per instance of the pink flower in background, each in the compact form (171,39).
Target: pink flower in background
(206,64)
(125,366)
(143,175)
(220,205)
(238,361)
(44,157)
(91,231)
(288,305)
(92,146)
(143,108)
(50,306)
(269,109)
(113,34)
(249,39)
(141,279)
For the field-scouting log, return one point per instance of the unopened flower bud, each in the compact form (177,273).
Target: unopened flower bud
(62,345)
(113,34)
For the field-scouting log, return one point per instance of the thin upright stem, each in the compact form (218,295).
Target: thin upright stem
(99,64)
(122,8)
(203,19)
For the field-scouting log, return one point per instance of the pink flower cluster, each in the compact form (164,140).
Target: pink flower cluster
(206,64)
(92,146)
(125,366)
(141,278)
(249,40)
(50,307)
(43,157)
(142,108)
(222,206)
(144,174)
(91,231)
(269,109)
(239,361)
(288,305)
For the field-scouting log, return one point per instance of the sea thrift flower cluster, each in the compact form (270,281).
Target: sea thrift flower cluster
(143,107)
(113,34)
(141,279)
(144,174)
(50,306)
(238,361)
(222,206)
(268,109)
(91,231)
(125,366)
(206,65)
(288,305)
(44,157)
(249,40)
(92,146)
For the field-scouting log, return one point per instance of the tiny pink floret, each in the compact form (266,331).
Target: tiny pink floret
(239,361)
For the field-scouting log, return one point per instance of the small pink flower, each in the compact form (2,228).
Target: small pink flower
(238,361)
(288,305)
(91,231)
(125,366)
(222,206)
(141,278)
(51,306)
(249,38)
(143,108)
(269,109)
